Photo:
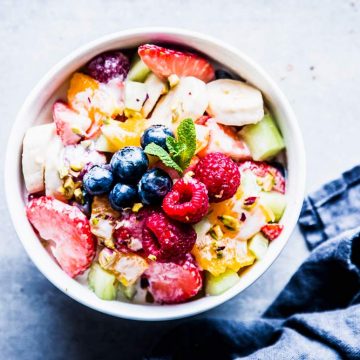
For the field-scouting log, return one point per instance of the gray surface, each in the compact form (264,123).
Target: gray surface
(310,48)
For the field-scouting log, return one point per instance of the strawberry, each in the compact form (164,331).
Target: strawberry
(272,231)
(261,169)
(70,125)
(171,282)
(225,140)
(165,62)
(68,230)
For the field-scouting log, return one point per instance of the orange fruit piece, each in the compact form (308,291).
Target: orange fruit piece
(81,90)
(235,254)
(120,134)
(99,101)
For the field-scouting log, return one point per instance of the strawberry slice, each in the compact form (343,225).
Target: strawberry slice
(225,140)
(70,125)
(68,230)
(272,231)
(261,169)
(165,62)
(174,282)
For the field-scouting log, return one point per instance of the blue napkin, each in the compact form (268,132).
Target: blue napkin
(317,315)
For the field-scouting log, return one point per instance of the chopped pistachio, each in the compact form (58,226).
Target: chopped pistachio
(95,221)
(107,257)
(219,251)
(69,183)
(173,80)
(77,130)
(175,114)
(109,243)
(106,121)
(230,222)
(165,89)
(216,232)
(76,167)
(78,194)
(152,257)
(69,187)
(267,182)
(136,207)
(63,172)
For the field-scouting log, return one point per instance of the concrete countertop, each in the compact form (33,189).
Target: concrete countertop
(310,48)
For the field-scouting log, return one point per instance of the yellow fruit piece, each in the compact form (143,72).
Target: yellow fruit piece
(102,144)
(218,256)
(127,133)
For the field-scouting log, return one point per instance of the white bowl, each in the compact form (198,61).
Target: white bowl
(36,109)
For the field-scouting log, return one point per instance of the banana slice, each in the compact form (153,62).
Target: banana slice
(35,145)
(234,103)
(54,162)
(155,88)
(186,100)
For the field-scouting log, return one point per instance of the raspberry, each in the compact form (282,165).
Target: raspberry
(187,202)
(220,175)
(174,282)
(107,66)
(272,231)
(166,239)
(72,243)
(261,169)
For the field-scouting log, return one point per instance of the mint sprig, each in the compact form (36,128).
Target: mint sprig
(181,150)
(156,150)
(186,142)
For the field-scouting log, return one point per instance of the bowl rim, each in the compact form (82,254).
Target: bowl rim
(71,287)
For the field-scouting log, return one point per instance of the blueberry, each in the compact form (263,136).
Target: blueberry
(109,65)
(129,164)
(223,74)
(122,196)
(153,186)
(156,134)
(98,180)
(85,205)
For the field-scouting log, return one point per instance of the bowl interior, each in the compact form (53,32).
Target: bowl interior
(37,109)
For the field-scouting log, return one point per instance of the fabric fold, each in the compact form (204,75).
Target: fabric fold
(317,314)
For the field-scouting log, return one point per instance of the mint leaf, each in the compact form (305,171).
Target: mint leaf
(156,150)
(186,138)
(173,147)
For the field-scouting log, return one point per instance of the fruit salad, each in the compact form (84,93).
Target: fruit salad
(159,177)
